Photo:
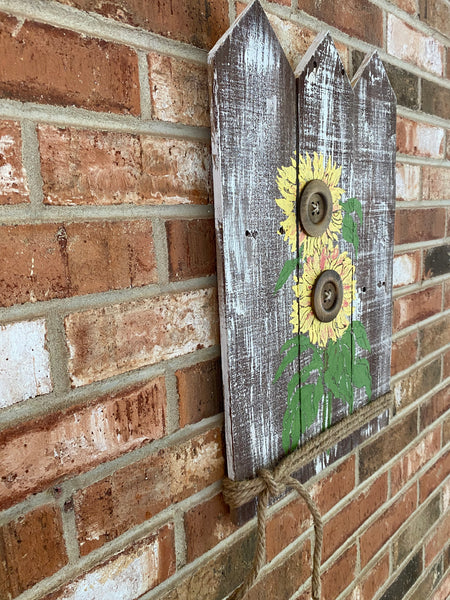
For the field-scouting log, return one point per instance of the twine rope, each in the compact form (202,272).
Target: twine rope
(273,482)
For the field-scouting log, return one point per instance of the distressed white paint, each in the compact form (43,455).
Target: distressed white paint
(125,577)
(10,179)
(24,362)
(405,270)
(408,44)
(407,182)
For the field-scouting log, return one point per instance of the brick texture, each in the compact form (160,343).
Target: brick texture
(418,139)
(129,574)
(61,260)
(438,540)
(407,466)
(200,392)
(386,445)
(435,182)
(406,268)
(47,449)
(352,516)
(417,384)
(419,225)
(435,99)
(13,182)
(404,352)
(434,476)
(437,14)
(372,582)
(434,336)
(191,246)
(385,526)
(206,525)
(108,508)
(405,580)
(433,408)
(179,90)
(31,548)
(416,307)
(357,18)
(108,341)
(55,66)
(407,182)
(196,22)
(101,168)
(410,45)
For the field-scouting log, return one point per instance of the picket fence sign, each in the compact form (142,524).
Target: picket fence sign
(304,194)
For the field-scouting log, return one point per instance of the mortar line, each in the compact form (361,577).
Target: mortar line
(420,363)
(71,116)
(144,86)
(32,165)
(36,407)
(161,250)
(59,354)
(98,26)
(419,286)
(402,248)
(422,161)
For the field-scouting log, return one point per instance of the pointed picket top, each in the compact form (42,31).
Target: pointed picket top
(372,74)
(253,106)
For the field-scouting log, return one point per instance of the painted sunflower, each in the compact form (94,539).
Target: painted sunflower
(308,169)
(303,318)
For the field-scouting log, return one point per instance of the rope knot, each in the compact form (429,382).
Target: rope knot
(274,487)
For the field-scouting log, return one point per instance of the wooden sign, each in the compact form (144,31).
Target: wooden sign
(304,197)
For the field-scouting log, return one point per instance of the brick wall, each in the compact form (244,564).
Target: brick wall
(111,418)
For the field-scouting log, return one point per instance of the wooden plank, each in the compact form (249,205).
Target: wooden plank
(325,109)
(374,184)
(253,134)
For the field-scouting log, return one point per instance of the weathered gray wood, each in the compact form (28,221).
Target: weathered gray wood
(374,184)
(262,119)
(253,133)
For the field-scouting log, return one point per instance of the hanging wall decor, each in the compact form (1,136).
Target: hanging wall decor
(304,193)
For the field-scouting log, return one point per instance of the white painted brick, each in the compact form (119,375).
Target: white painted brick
(405,270)
(407,180)
(24,362)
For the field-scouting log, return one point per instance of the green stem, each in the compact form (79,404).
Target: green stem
(325,400)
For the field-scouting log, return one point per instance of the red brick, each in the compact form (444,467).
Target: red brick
(407,182)
(437,14)
(196,22)
(404,353)
(290,522)
(438,540)
(13,182)
(409,6)
(206,525)
(417,384)
(340,575)
(447,295)
(283,580)
(406,268)
(435,183)
(138,569)
(44,64)
(418,139)
(386,445)
(434,336)
(352,516)
(191,247)
(294,38)
(414,47)
(179,90)
(369,585)
(199,391)
(419,225)
(105,167)
(416,307)
(358,18)
(385,526)
(31,548)
(135,493)
(45,450)
(104,342)
(434,476)
(435,407)
(443,591)
(407,466)
(58,260)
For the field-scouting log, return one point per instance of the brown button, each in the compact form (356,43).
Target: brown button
(316,207)
(328,295)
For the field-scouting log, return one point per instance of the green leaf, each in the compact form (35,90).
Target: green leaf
(295,341)
(288,268)
(361,376)
(289,357)
(339,368)
(307,410)
(294,382)
(315,363)
(353,205)
(349,232)
(360,335)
